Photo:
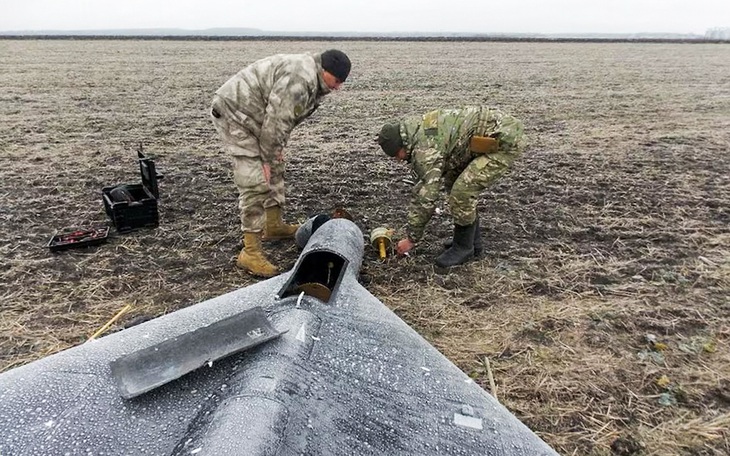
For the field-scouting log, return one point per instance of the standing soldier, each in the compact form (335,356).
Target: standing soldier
(464,150)
(254,113)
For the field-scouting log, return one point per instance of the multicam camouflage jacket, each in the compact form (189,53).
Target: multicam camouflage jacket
(273,95)
(438,150)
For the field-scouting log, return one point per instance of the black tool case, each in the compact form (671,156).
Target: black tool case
(132,206)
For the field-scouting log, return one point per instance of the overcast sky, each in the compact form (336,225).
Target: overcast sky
(471,16)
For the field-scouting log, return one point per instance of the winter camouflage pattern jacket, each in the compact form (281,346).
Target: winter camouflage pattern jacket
(273,95)
(438,150)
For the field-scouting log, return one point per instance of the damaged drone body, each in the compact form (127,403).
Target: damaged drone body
(345,376)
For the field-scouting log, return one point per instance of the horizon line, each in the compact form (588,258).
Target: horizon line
(343,33)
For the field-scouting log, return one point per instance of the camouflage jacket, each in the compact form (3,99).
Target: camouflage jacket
(438,150)
(273,95)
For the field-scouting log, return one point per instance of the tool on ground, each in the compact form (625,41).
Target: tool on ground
(78,237)
(381,239)
(146,369)
(113,320)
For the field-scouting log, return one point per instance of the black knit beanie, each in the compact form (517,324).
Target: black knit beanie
(337,63)
(389,139)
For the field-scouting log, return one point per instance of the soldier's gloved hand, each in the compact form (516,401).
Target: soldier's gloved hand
(404,246)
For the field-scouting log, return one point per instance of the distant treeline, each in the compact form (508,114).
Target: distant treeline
(363,38)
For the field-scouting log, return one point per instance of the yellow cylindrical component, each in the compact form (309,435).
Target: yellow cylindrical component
(380,240)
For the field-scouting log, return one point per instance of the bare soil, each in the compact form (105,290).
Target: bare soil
(600,303)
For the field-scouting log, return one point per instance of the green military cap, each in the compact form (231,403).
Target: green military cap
(389,139)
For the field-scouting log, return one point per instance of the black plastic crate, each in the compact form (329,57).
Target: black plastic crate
(132,206)
(78,237)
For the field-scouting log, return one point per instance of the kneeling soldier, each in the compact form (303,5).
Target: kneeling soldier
(463,150)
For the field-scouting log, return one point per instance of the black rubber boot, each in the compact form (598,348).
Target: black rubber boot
(461,249)
(478,244)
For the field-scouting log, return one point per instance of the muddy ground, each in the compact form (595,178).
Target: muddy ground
(601,301)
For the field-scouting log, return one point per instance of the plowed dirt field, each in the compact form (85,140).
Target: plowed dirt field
(602,297)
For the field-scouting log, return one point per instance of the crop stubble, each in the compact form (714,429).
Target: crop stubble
(611,229)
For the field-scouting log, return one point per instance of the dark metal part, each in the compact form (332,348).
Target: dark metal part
(154,366)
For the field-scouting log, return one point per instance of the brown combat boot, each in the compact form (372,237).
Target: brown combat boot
(252,257)
(275,227)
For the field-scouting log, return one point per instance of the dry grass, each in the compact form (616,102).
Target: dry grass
(601,302)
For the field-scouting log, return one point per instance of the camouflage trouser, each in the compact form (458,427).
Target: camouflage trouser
(248,174)
(481,172)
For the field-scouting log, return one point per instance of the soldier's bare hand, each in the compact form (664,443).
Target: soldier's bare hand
(404,246)
(267,173)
